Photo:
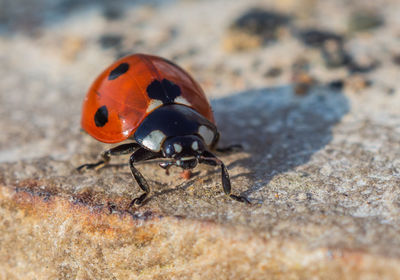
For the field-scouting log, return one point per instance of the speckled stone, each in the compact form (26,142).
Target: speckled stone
(321,169)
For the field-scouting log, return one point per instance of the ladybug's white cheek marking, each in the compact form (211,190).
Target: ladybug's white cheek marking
(195,146)
(178,148)
(154,140)
(182,100)
(154,103)
(207,134)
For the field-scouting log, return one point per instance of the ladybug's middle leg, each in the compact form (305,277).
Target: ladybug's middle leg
(141,155)
(106,155)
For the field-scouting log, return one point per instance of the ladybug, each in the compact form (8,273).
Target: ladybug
(160,109)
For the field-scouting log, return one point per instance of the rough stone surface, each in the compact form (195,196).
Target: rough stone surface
(321,168)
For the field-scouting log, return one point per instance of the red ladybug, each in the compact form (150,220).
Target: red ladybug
(161,109)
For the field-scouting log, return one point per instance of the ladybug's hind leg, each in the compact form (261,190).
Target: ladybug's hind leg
(227,149)
(138,156)
(210,159)
(106,156)
(230,149)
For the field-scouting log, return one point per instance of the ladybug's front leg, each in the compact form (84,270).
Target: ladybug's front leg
(106,156)
(166,165)
(210,159)
(141,155)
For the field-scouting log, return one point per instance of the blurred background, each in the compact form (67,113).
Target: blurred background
(225,44)
(51,50)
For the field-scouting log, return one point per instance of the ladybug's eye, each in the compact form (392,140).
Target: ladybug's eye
(169,150)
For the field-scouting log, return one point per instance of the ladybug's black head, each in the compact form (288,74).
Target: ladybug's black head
(184,149)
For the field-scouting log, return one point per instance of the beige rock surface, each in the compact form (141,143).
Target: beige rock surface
(322,168)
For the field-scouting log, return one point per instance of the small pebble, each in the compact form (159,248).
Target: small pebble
(362,20)
(303,82)
(363,64)
(261,22)
(336,84)
(112,12)
(334,55)
(358,83)
(330,44)
(390,91)
(110,41)
(273,72)
(240,41)
(254,28)
(301,79)
(396,59)
(300,64)
(317,38)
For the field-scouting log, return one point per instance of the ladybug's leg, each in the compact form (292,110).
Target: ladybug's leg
(210,159)
(230,148)
(106,155)
(166,165)
(138,156)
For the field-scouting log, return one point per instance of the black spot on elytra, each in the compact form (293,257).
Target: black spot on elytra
(101,116)
(166,91)
(118,71)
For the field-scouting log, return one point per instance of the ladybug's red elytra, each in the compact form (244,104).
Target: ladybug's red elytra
(160,109)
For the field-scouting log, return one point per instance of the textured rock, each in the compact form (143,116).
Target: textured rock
(59,238)
(322,169)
